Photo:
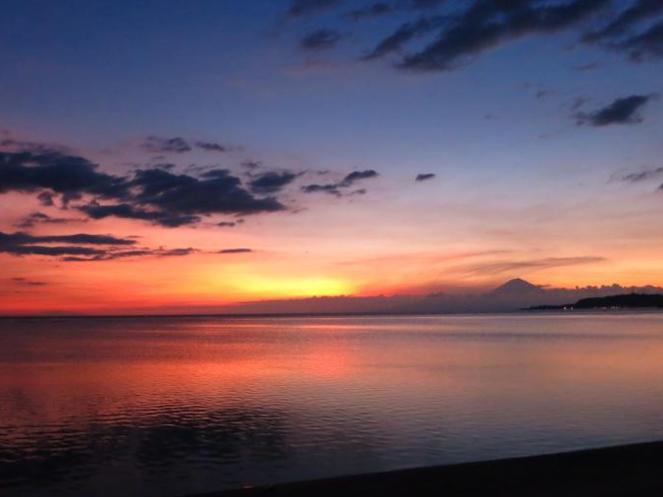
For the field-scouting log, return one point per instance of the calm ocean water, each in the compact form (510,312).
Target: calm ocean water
(168,407)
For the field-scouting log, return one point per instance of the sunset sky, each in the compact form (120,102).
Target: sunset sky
(168,154)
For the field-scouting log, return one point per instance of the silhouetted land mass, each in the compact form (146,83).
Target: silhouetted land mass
(626,471)
(630,301)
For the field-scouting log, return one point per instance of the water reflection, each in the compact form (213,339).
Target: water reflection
(165,445)
(175,406)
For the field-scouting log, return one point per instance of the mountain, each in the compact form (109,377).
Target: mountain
(517,286)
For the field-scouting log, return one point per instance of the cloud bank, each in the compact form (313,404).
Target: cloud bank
(156,195)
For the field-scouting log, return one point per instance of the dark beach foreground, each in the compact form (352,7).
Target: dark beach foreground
(631,470)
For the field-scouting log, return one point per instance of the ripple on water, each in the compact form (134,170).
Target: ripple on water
(170,407)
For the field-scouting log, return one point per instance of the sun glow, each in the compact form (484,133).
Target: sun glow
(265,287)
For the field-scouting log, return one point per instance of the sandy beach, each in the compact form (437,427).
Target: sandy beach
(630,470)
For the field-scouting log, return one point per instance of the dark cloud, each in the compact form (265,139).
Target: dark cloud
(235,251)
(404,34)
(157,145)
(127,211)
(230,224)
(622,111)
(625,21)
(178,145)
(377,9)
(646,44)
(465,30)
(21,238)
(424,4)
(130,254)
(643,175)
(373,10)
(157,195)
(108,255)
(50,251)
(212,146)
(636,30)
(217,192)
(332,189)
(68,175)
(35,218)
(46,199)
(486,24)
(299,8)
(79,245)
(354,176)
(348,181)
(177,252)
(320,39)
(424,177)
(272,181)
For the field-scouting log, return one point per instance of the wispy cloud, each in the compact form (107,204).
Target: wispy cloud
(36,218)
(20,281)
(81,247)
(320,39)
(235,251)
(458,33)
(337,189)
(645,175)
(301,8)
(514,266)
(369,11)
(157,145)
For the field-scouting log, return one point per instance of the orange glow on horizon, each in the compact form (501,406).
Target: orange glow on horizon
(296,287)
(332,264)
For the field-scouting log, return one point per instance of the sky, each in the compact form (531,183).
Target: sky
(164,154)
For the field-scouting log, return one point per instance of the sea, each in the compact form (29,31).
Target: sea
(174,406)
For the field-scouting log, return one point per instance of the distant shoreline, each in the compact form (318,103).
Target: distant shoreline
(624,471)
(631,301)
